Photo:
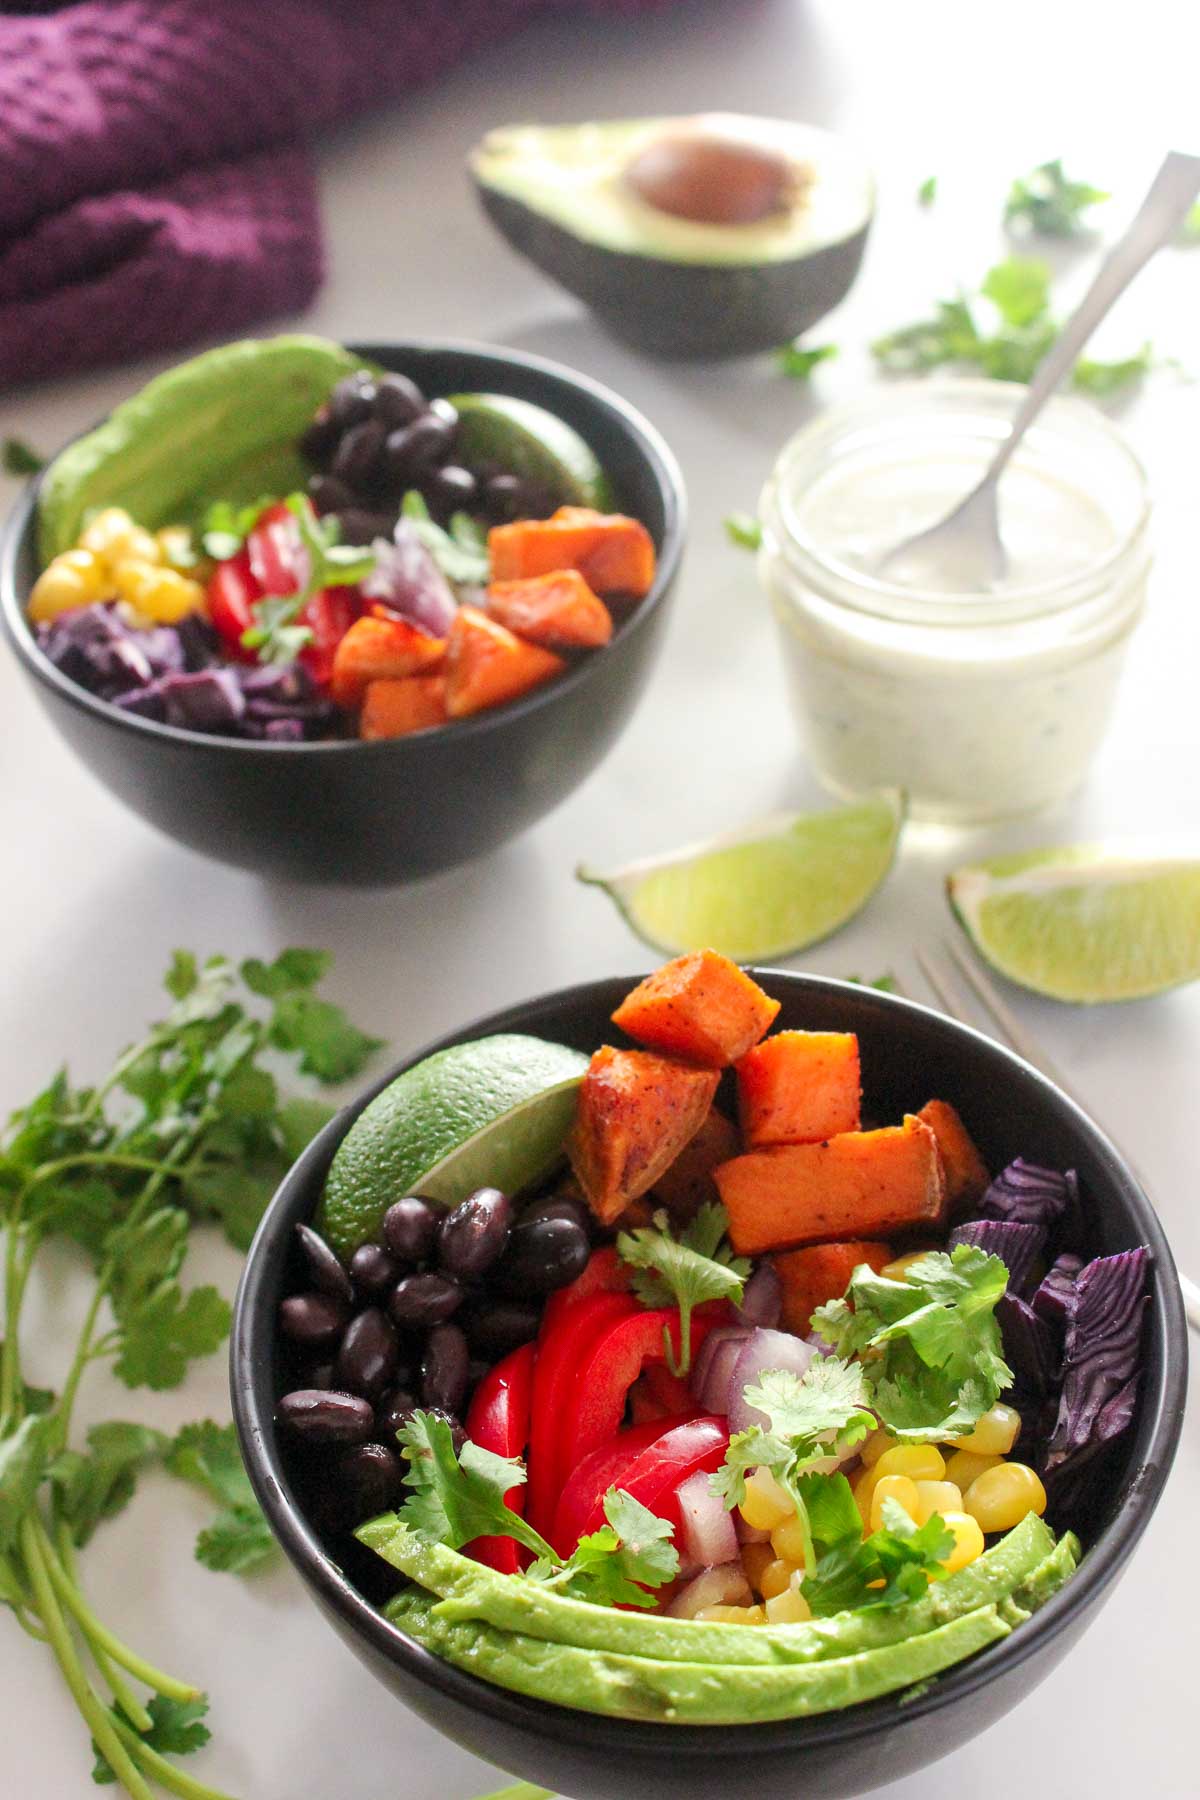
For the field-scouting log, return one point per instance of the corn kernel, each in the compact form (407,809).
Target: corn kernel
(732,1615)
(920,1462)
(965,1466)
(937,1497)
(994,1434)
(968,1540)
(756,1558)
(766,1505)
(863,1489)
(114,538)
(788,1608)
(874,1446)
(157,593)
(787,1541)
(1000,1498)
(775,1578)
(899,1488)
(894,1271)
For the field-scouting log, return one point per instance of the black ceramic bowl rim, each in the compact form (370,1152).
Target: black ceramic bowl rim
(632,423)
(1159,1423)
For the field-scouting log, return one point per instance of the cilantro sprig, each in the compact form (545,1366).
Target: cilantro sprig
(931,1341)
(19,458)
(188,1126)
(461,553)
(697,1266)
(1049,202)
(889,1568)
(276,636)
(744,530)
(454,1498)
(225,527)
(799,360)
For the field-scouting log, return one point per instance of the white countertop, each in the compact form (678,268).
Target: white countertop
(92,902)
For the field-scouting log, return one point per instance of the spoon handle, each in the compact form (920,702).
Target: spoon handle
(1171,194)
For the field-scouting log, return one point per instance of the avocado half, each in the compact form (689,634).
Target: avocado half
(681,286)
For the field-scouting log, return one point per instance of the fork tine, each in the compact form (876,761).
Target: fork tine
(1002,1014)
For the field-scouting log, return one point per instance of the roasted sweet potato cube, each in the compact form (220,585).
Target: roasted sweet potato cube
(966,1172)
(613,553)
(486,664)
(685,1187)
(381,650)
(559,611)
(700,1006)
(819,1273)
(393,709)
(636,1112)
(799,1087)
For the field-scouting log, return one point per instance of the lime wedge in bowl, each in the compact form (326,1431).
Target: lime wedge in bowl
(766,890)
(493,1111)
(1086,924)
(527,440)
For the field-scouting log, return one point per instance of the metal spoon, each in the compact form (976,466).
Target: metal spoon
(966,548)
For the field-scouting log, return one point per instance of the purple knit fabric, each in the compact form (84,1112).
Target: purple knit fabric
(154,188)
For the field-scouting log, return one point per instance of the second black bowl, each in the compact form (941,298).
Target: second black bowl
(378,813)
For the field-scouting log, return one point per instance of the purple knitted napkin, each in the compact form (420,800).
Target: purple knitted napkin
(154,187)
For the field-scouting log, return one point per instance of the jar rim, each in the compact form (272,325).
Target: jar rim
(928,400)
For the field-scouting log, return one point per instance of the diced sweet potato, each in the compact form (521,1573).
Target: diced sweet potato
(799,1087)
(821,1272)
(862,1184)
(613,553)
(392,709)
(487,664)
(558,610)
(381,650)
(700,1006)
(636,1112)
(966,1172)
(685,1187)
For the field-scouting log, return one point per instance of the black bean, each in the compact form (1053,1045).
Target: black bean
(416,447)
(321,1376)
(351,400)
(451,489)
(493,1330)
(358,459)
(394,1410)
(471,1237)
(457,1434)
(316,1320)
(319,440)
(373,1271)
(448,414)
(326,1418)
(542,1256)
(409,1228)
(370,1351)
(328,494)
(500,495)
(398,401)
(362,526)
(424,1300)
(444,1368)
(558,1206)
(374,1476)
(324,1265)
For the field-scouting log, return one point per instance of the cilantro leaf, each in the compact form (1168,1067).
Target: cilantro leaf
(24,1456)
(93,1487)
(889,1568)
(744,530)
(453,1499)
(460,553)
(293,971)
(176,1730)
(696,1267)
(615,1565)
(166,1331)
(927,192)
(936,1353)
(182,975)
(321,1035)
(1100,379)
(239,1538)
(1019,288)
(1049,202)
(225,527)
(276,634)
(796,360)
(20,458)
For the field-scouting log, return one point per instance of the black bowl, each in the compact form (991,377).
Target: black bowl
(375,813)
(908,1054)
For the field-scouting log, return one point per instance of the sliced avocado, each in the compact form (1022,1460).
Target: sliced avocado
(682,1693)
(706,237)
(470,1591)
(528,441)
(221,426)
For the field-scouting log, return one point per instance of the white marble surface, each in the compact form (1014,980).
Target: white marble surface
(92,901)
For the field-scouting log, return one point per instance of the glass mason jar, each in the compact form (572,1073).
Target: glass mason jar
(980,705)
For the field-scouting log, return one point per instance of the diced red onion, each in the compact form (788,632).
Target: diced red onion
(724,1586)
(719,1335)
(821,1345)
(720,1370)
(762,1297)
(407,579)
(749,1534)
(763,1350)
(707,1535)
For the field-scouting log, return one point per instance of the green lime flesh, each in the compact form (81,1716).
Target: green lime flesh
(1082,924)
(528,441)
(764,892)
(492,1112)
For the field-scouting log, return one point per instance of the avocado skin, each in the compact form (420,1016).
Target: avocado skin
(686,311)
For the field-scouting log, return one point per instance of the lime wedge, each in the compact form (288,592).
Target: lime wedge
(766,890)
(1085,924)
(527,440)
(464,1117)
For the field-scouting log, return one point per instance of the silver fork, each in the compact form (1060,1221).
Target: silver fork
(1008,1029)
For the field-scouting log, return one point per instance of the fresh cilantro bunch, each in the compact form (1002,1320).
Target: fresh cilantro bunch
(1049,202)
(931,1341)
(461,553)
(189,1125)
(697,1266)
(811,1418)
(453,1499)
(275,635)
(890,1568)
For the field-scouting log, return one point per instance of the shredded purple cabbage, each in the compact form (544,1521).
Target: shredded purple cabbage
(1028,1194)
(1030,1349)
(1016,1244)
(1052,1299)
(1101,1367)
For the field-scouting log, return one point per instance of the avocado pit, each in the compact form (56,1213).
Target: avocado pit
(713,179)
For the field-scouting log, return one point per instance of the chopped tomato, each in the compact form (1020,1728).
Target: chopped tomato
(231,591)
(651,1473)
(498,1420)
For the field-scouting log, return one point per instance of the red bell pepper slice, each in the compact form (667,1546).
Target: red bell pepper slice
(651,1472)
(561,1347)
(275,551)
(671,1391)
(605,1374)
(329,616)
(604,1272)
(498,1420)
(231,591)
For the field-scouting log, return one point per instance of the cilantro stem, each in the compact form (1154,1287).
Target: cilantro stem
(806,1536)
(176,1781)
(122,1693)
(96,1715)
